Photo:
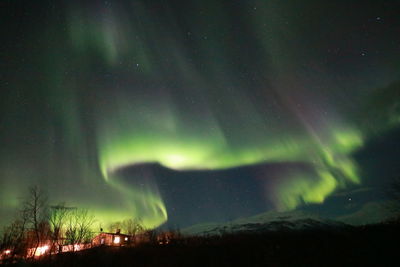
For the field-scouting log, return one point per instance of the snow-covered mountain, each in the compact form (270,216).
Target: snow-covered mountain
(370,213)
(268,221)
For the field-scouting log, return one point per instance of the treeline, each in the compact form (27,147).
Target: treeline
(370,245)
(129,226)
(40,228)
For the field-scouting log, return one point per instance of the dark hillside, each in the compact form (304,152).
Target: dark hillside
(373,245)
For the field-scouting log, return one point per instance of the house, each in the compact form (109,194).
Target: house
(112,239)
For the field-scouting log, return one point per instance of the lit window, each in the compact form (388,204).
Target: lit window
(41,250)
(117,240)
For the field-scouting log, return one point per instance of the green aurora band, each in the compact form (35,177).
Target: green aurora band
(333,165)
(161,135)
(181,109)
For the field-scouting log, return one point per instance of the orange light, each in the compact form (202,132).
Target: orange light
(41,250)
(7,251)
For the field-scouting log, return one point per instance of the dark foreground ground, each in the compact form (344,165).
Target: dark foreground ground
(377,245)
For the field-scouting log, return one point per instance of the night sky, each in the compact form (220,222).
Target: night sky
(198,111)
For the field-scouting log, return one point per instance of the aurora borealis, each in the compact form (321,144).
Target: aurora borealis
(193,111)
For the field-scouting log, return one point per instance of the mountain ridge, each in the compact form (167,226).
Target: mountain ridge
(267,221)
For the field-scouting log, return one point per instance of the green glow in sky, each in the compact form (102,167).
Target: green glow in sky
(94,91)
(329,155)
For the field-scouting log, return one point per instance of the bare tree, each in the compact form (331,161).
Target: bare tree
(86,221)
(13,238)
(79,227)
(35,210)
(57,219)
(132,227)
(128,226)
(113,227)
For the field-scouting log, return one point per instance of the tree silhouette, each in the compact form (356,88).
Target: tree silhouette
(58,219)
(78,227)
(35,212)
